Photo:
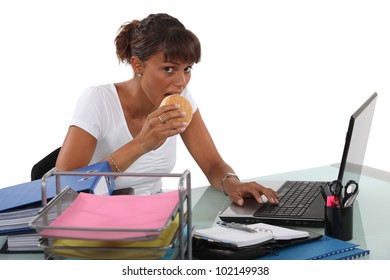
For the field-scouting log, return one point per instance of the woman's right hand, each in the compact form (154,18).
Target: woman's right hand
(160,125)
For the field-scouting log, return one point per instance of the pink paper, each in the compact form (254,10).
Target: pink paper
(112,217)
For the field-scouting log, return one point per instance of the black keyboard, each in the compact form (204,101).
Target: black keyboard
(293,199)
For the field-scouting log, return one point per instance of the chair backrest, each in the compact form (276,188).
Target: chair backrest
(44,165)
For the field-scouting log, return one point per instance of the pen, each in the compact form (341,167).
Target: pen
(235,226)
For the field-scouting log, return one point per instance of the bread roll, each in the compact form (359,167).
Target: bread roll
(185,106)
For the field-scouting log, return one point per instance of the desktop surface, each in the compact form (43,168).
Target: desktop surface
(371,225)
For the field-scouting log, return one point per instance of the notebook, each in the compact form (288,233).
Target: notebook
(259,233)
(307,208)
(210,250)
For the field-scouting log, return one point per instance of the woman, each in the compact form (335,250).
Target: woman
(123,123)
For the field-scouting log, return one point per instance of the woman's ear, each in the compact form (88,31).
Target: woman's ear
(137,65)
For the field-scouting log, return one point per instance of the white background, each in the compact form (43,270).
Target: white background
(276,85)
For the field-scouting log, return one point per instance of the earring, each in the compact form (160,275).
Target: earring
(139,75)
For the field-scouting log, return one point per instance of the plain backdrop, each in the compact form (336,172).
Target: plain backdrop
(276,85)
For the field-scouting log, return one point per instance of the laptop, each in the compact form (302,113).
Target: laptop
(301,203)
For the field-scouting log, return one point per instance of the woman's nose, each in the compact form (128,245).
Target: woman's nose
(181,81)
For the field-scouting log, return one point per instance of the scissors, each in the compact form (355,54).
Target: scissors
(345,195)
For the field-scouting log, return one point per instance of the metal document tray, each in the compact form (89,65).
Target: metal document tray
(176,244)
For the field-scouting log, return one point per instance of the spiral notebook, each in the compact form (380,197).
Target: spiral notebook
(260,233)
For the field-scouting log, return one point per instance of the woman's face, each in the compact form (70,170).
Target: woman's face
(161,78)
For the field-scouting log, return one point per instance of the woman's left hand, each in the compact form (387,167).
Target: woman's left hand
(240,190)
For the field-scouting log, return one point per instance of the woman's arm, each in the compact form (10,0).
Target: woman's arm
(77,149)
(202,148)
(79,145)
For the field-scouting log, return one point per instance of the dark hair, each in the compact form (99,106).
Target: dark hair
(157,33)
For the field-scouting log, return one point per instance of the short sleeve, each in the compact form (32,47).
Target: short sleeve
(88,112)
(187,94)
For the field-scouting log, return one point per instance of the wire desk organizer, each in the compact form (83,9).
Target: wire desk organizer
(178,245)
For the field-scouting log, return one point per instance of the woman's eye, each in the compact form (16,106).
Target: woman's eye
(188,69)
(168,69)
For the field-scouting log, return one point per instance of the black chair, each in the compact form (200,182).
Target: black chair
(44,165)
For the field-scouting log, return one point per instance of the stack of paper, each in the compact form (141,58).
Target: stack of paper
(111,227)
(17,221)
(118,217)
(27,242)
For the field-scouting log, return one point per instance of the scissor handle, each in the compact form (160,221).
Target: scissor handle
(350,192)
(351,187)
(335,187)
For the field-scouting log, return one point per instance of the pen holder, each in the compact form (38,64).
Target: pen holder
(339,222)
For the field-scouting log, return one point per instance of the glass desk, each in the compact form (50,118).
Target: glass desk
(371,225)
(371,210)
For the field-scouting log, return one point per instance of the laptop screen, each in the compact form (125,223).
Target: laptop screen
(356,141)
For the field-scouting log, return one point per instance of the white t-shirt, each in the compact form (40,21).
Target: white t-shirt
(99,112)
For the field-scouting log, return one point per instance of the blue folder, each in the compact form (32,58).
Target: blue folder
(320,249)
(353,254)
(30,193)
